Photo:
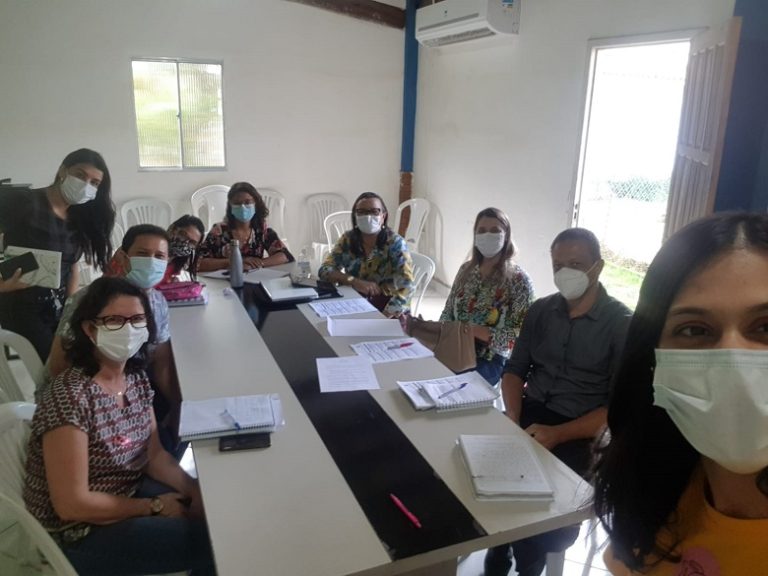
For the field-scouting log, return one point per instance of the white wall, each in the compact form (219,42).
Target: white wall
(499,122)
(312,99)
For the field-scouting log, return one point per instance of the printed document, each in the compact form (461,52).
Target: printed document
(345,374)
(392,350)
(342,307)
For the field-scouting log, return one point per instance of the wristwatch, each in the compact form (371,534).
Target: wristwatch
(156,505)
(350,279)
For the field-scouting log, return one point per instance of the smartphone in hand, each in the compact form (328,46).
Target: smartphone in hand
(27,262)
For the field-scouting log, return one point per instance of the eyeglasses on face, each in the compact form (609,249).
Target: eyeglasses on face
(368,211)
(115,322)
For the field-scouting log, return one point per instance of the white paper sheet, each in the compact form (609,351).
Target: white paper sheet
(255,276)
(346,374)
(342,307)
(282,289)
(392,350)
(364,327)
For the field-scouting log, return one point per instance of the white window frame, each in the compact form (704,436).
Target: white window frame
(181,168)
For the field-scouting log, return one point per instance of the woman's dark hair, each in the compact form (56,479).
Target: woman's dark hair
(81,350)
(356,237)
(257,222)
(190,262)
(647,464)
(507,252)
(93,221)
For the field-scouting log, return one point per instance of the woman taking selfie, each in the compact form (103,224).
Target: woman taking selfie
(682,487)
(491,292)
(73,216)
(97,478)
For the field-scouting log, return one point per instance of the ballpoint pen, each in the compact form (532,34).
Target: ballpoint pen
(408,514)
(227,414)
(397,346)
(452,390)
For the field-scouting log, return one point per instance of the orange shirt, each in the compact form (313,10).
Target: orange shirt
(711,544)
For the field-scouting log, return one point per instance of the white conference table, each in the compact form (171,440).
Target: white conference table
(287,510)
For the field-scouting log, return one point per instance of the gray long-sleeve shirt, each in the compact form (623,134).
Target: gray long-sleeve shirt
(568,363)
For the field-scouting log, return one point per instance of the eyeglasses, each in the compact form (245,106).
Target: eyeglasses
(116,322)
(368,212)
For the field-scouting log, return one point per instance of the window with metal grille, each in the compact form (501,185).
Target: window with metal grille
(179,114)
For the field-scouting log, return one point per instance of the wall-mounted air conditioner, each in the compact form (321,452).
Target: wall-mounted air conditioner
(452,21)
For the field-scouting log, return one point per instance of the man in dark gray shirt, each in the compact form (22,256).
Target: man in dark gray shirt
(556,385)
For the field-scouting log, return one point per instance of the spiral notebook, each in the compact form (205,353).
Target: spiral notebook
(460,392)
(505,467)
(229,416)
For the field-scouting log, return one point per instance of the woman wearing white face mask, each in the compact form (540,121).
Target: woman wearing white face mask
(491,292)
(74,216)
(97,478)
(372,258)
(682,487)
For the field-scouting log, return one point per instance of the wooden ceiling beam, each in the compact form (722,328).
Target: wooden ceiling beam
(368,10)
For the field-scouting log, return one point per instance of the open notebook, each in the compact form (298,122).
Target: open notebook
(459,392)
(229,416)
(504,467)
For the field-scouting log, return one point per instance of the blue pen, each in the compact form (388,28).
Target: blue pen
(232,419)
(452,390)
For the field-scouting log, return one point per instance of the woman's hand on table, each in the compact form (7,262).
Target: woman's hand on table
(252,262)
(365,287)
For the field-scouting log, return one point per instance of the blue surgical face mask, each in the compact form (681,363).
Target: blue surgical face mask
(146,271)
(244,212)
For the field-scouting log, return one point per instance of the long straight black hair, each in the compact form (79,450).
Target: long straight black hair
(93,221)
(641,474)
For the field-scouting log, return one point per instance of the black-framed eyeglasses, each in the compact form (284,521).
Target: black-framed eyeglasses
(368,212)
(115,322)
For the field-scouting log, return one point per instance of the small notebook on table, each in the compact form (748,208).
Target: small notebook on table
(459,392)
(217,417)
(504,467)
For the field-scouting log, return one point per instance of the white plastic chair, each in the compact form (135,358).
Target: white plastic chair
(335,225)
(423,271)
(276,204)
(117,237)
(209,203)
(10,388)
(420,208)
(146,211)
(23,546)
(318,207)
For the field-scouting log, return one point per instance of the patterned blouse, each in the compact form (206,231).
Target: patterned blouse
(118,438)
(498,303)
(260,241)
(390,267)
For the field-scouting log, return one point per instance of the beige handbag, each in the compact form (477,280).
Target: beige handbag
(452,342)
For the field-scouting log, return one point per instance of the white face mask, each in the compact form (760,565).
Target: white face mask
(76,191)
(571,283)
(489,243)
(369,224)
(718,399)
(120,345)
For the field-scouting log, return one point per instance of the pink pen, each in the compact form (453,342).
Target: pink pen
(403,345)
(408,514)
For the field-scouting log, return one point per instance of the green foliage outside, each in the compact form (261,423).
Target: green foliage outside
(622,283)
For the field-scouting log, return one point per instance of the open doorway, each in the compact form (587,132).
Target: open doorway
(634,97)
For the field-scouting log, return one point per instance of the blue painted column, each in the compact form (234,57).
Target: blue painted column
(410,80)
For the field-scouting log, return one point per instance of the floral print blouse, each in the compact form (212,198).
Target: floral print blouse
(390,267)
(500,303)
(260,241)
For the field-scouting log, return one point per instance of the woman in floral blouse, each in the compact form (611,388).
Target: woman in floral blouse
(246,221)
(372,258)
(492,293)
